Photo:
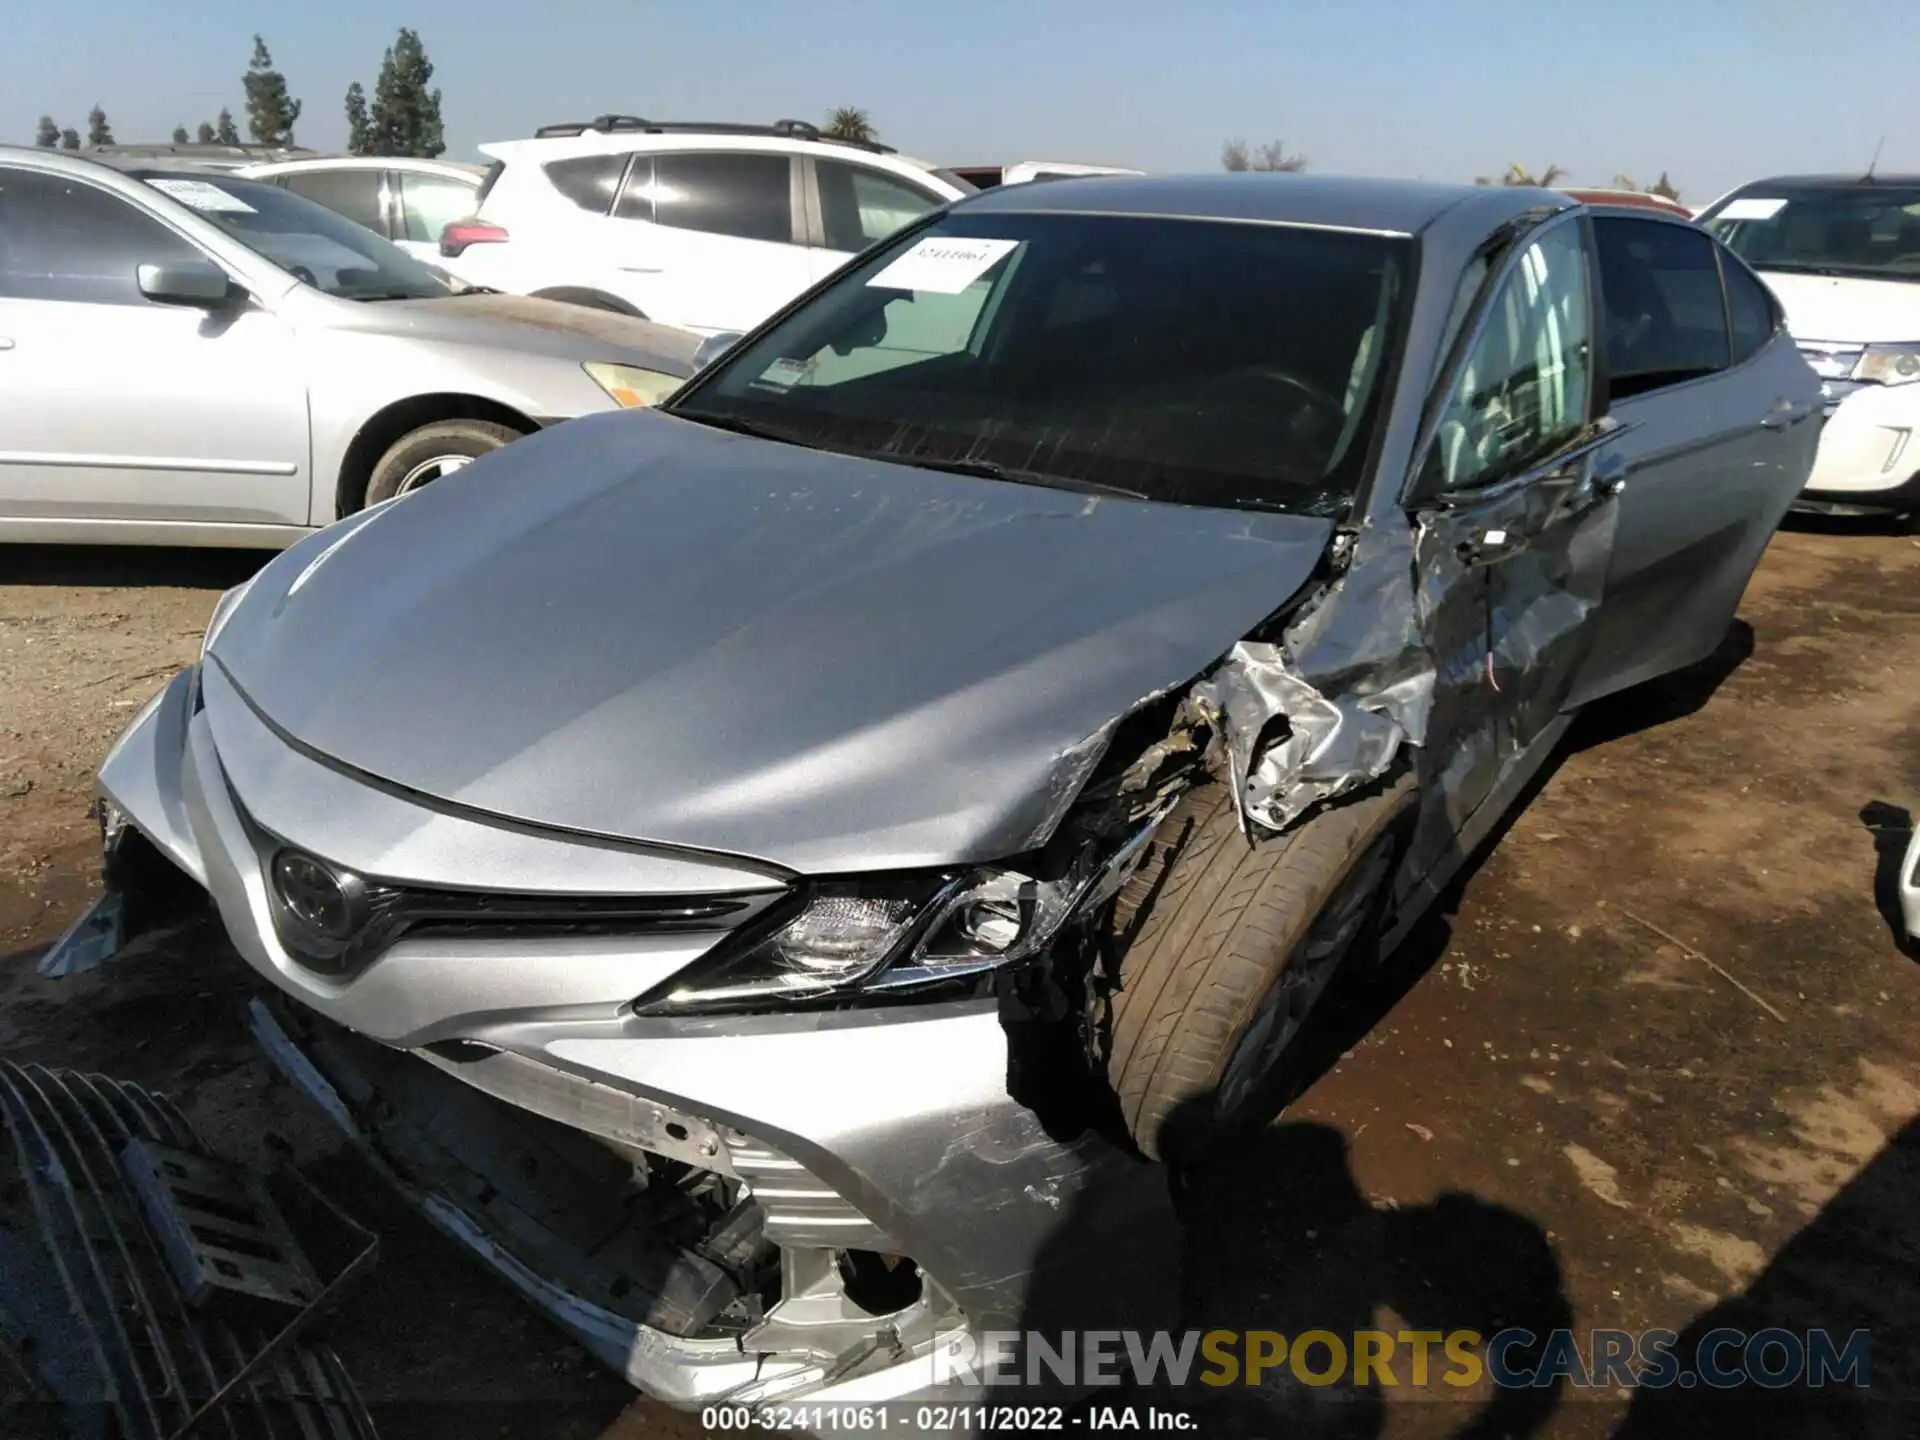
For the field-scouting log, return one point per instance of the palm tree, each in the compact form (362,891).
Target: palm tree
(1273,156)
(849,122)
(1518,174)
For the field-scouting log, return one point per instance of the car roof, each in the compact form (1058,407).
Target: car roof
(365,162)
(1831,182)
(1398,207)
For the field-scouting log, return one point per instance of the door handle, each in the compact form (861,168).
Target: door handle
(1785,413)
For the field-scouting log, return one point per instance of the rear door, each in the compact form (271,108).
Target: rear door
(362,194)
(1715,439)
(117,408)
(716,234)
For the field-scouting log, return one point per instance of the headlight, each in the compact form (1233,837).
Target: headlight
(892,933)
(223,608)
(629,385)
(1889,364)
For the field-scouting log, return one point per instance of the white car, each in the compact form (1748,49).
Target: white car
(709,227)
(401,199)
(1843,256)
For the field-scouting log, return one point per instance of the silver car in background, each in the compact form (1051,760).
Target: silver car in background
(787,864)
(191,358)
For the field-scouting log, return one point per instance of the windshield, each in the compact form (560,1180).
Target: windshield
(1866,230)
(1191,361)
(307,240)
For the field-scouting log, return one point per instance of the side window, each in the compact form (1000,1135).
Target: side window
(61,239)
(859,205)
(725,193)
(352,193)
(1750,309)
(636,193)
(433,202)
(1666,315)
(1523,389)
(587,180)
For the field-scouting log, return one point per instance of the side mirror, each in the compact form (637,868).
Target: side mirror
(713,347)
(199,283)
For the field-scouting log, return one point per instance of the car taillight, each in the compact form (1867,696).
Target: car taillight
(459,234)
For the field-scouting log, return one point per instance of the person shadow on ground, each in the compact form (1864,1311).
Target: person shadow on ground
(1276,1235)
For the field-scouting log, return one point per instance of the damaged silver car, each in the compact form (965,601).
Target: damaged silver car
(773,874)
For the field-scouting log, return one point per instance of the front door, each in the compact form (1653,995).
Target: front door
(117,408)
(1718,419)
(1514,516)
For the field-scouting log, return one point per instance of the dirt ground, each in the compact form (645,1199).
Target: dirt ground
(1659,1067)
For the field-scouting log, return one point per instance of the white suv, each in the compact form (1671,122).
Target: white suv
(710,227)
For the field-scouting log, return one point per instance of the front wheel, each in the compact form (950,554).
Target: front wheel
(422,456)
(1225,950)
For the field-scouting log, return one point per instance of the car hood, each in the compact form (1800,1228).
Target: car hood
(636,626)
(1849,311)
(543,327)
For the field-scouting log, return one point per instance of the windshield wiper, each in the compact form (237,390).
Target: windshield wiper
(477,290)
(987,470)
(380,295)
(742,427)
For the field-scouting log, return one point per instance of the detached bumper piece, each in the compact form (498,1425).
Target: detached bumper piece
(149,1289)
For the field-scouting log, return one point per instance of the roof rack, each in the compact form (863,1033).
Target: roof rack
(637,124)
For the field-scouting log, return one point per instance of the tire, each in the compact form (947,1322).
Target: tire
(408,461)
(1210,929)
(590,299)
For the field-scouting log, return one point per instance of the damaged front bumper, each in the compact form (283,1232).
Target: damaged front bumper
(753,1208)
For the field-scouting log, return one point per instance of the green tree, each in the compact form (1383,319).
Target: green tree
(206,134)
(405,115)
(1664,188)
(270,110)
(225,131)
(98,131)
(849,122)
(48,134)
(1274,156)
(359,126)
(69,139)
(180,135)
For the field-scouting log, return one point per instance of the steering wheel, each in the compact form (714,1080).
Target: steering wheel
(1332,407)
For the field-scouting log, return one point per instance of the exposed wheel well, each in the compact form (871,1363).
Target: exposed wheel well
(388,425)
(593,299)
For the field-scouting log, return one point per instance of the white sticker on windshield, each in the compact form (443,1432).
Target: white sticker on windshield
(202,196)
(785,374)
(944,266)
(1751,208)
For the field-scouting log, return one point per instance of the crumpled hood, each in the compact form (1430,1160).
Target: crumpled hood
(1859,312)
(542,327)
(636,626)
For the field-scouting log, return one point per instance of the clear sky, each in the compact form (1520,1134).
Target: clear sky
(1713,91)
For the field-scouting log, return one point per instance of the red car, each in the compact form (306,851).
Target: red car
(1638,198)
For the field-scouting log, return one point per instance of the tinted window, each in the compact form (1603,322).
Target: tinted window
(1870,229)
(636,194)
(433,202)
(63,240)
(310,242)
(745,195)
(1524,385)
(1199,363)
(352,193)
(859,205)
(587,180)
(1666,318)
(1749,309)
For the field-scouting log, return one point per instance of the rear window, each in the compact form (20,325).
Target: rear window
(494,172)
(587,180)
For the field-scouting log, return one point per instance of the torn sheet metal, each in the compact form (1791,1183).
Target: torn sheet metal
(1351,682)
(89,942)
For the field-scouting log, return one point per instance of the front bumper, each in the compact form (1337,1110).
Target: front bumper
(1869,459)
(889,1132)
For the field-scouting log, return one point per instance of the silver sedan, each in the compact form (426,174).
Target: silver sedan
(867,810)
(191,358)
